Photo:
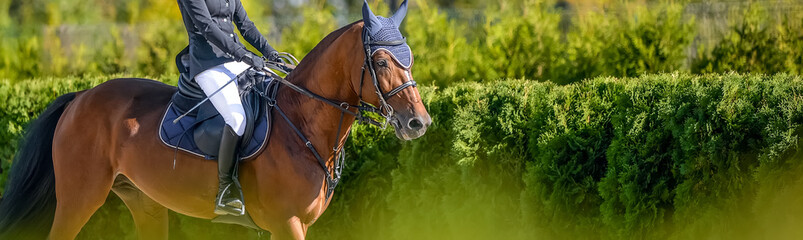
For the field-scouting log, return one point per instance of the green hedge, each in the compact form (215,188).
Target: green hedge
(658,156)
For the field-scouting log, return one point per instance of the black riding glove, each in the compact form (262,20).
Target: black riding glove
(253,60)
(273,56)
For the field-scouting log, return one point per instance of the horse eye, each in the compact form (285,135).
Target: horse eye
(382,63)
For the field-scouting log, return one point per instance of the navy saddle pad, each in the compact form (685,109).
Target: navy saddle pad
(181,134)
(200,130)
(193,132)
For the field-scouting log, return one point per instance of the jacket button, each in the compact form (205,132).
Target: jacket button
(225,20)
(231,35)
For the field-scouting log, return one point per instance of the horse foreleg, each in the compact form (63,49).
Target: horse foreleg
(149,216)
(292,229)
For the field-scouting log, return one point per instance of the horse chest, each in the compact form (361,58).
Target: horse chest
(315,209)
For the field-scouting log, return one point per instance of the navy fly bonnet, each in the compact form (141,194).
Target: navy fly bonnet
(382,33)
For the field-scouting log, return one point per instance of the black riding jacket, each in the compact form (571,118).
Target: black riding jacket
(211,34)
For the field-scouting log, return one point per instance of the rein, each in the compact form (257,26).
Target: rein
(384,110)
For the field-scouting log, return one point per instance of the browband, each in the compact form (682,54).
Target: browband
(389,43)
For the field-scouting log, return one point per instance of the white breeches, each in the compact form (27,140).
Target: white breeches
(227,101)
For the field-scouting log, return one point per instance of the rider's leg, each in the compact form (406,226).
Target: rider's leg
(228,199)
(228,103)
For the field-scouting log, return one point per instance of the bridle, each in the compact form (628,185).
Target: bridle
(383,97)
(384,109)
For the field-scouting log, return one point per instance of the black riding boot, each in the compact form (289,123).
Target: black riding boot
(229,200)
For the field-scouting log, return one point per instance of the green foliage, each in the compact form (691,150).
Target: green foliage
(157,52)
(462,179)
(609,158)
(360,199)
(613,157)
(527,39)
(653,42)
(525,46)
(626,42)
(302,36)
(442,41)
(568,137)
(757,44)
(532,40)
(19,57)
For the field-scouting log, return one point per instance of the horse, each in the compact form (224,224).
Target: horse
(103,139)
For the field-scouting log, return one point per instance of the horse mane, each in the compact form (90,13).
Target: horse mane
(322,46)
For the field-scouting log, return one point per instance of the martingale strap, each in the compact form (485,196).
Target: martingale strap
(331,181)
(333,177)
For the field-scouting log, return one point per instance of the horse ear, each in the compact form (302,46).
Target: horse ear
(372,23)
(398,17)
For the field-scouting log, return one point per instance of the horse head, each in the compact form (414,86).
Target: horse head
(387,74)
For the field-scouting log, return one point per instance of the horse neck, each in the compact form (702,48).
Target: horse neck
(318,121)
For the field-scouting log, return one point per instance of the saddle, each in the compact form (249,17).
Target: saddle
(200,130)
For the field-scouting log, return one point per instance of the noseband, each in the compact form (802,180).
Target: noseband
(384,109)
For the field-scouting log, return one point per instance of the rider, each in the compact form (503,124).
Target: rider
(215,57)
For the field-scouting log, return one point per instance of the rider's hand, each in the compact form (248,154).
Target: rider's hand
(253,60)
(273,56)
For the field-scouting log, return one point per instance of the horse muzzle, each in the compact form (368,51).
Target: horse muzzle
(409,128)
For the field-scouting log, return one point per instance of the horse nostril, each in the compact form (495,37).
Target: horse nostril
(415,124)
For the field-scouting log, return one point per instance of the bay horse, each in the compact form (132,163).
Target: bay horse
(103,139)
